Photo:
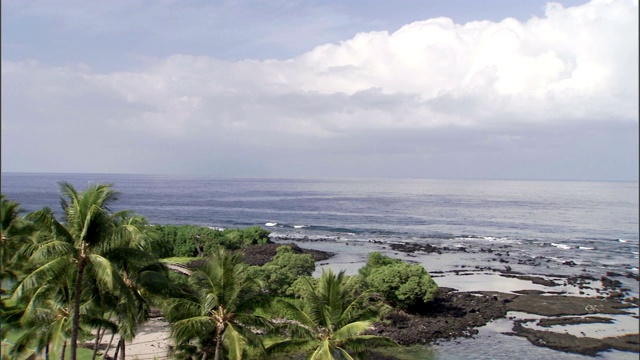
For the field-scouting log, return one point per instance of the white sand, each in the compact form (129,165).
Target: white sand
(151,342)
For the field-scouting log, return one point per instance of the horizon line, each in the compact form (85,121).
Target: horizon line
(263,177)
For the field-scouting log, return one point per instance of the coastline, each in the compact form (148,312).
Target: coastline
(487,307)
(594,315)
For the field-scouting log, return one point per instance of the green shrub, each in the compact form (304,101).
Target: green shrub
(255,235)
(285,268)
(181,237)
(236,238)
(232,239)
(191,240)
(376,260)
(299,288)
(405,285)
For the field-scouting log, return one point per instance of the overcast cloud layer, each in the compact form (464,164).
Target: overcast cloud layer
(547,97)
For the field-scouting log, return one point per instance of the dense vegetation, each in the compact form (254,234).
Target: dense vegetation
(99,273)
(406,286)
(191,240)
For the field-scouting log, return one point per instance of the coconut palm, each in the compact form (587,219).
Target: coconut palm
(140,234)
(88,232)
(46,317)
(144,275)
(15,233)
(331,322)
(219,315)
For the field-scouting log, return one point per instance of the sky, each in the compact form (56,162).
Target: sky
(492,89)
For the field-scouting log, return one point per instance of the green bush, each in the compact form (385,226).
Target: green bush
(211,239)
(376,260)
(285,268)
(236,238)
(181,238)
(405,285)
(191,240)
(299,288)
(255,235)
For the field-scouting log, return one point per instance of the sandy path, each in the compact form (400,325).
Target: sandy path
(151,342)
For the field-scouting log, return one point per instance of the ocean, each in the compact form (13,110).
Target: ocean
(593,224)
(563,227)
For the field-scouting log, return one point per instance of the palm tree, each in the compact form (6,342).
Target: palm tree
(220,313)
(332,321)
(15,233)
(88,232)
(46,317)
(144,275)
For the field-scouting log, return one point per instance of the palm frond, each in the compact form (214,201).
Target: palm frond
(314,305)
(343,354)
(49,271)
(100,322)
(103,271)
(254,321)
(187,329)
(233,342)
(291,345)
(36,299)
(354,311)
(367,342)
(51,249)
(323,352)
(60,332)
(153,282)
(9,211)
(179,309)
(45,220)
(132,256)
(351,330)
(21,345)
(299,314)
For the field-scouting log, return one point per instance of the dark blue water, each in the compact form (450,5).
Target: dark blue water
(593,223)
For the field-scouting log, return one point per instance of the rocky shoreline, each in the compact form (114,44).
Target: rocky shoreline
(548,311)
(457,314)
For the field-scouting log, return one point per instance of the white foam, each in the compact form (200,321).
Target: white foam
(271,224)
(486,238)
(623,241)
(561,246)
(300,226)
(585,248)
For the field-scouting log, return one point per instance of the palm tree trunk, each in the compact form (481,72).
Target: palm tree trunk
(64,348)
(76,307)
(113,334)
(216,356)
(123,347)
(205,355)
(115,356)
(46,352)
(98,338)
(198,246)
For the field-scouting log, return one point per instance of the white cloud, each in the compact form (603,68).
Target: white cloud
(575,64)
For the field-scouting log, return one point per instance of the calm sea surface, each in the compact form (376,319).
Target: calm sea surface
(593,224)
